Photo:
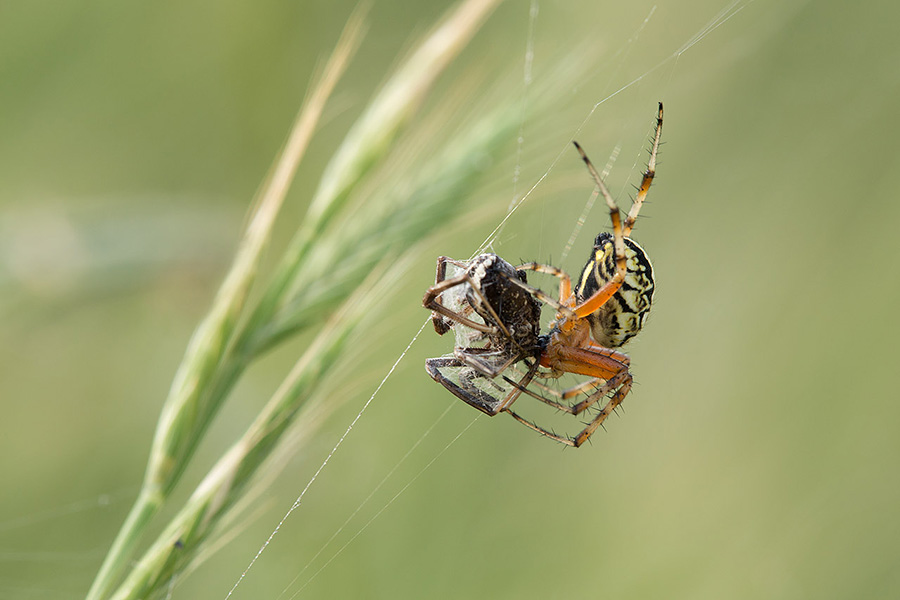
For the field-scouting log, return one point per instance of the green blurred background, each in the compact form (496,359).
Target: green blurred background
(757,456)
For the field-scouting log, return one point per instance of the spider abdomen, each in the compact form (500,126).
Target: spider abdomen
(623,315)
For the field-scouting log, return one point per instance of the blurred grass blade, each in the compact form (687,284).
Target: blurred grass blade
(177,546)
(189,402)
(408,207)
(392,108)
(219,350)
(189,407)
(369,139)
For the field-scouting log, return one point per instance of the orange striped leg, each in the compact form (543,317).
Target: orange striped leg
(624,383)
(649,174)
(617,398)
(614,215)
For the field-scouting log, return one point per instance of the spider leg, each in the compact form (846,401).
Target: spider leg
(519,386)
(602,388)
(544,399)
(619,357)
(597,361)
(648,176)
(545,432)
(624,386)
(608,369)
(582,388)
(565,281)
(612,384)
(587,387)
(615,401)
(614,214)
(601,296)
(540,295)
(594,389)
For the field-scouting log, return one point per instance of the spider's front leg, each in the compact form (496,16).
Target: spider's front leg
(611,286)
(565,287)
(649,174)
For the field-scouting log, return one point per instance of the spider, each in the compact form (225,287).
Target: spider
(607,307)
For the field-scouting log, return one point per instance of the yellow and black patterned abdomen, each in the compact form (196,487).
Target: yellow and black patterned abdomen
(623,315)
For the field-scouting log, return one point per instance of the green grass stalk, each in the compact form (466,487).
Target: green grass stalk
(224,343)
(176,547)
(189,409)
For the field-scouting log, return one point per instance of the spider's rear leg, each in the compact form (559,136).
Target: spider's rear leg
(593,361)
(623,388)
(545,432)
(623,382)
(598,388)
(607,368)
(595,389)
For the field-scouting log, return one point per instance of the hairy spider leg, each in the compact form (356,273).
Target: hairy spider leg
(621,383)
(565,281)
(565,287)
(620,230)
(649,174)
(614,215)
(616,362)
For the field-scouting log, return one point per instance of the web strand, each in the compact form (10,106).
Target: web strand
(327,459)
(721,17)
(369,497)
(389,502)
(526,86)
